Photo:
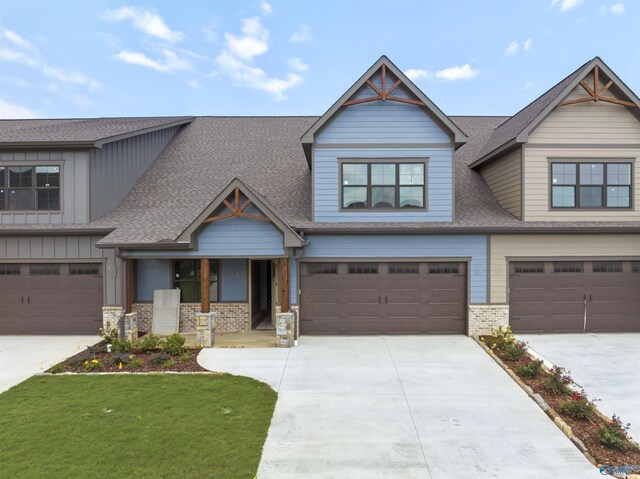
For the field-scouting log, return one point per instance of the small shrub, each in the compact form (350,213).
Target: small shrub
(169,364)
(79,360)
(160,358)
(135,363)
(97,349)
(119,358)
(121,345)
(558,381)
(109,333)
(500,338)
(92,365)
(578,407)
(514,351)
(174,345)
(615,435)
(531,370)
(147,344)
(58,368)
(186,356)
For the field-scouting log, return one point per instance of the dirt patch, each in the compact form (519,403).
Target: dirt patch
(583,429)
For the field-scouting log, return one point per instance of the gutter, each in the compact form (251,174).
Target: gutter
(476,230)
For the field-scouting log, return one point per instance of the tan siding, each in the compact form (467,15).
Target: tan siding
(578,246)
(504,177)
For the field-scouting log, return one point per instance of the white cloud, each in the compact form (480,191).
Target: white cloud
(13,111)
(254,42)
(512,49)
(68,76)
(195,84)
(9,55)
(211,32)
(303,35)
(147,21)
(297,64)
(171,61)
(566,5)
(416,74)
(528,43)
(16,39)
(465,72)
(617,8)
(266,8)
(528,85)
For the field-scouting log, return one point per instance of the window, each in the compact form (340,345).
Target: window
(607,267)
(322,268)
(9,269)
(403,268)
(187,280)
(591,185)
(363,268)
(84,269)
(567,267)
(444,268)
(44,269)
(26,188)
(383,185)
(529,267)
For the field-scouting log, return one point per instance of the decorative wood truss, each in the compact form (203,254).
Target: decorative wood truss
(236,210)
(597,93)
(383,93)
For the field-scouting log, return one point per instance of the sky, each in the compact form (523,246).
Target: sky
(97,58)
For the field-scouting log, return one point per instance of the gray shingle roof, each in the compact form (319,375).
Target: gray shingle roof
(76,130)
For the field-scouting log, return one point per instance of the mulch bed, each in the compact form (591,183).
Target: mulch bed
(584,429)
(75,364)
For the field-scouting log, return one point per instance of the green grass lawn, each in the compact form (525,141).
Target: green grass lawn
(139,426)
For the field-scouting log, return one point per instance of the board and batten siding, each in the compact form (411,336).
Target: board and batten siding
(504,177)
(607,131)
(117,167)
(343,247)
(74,188)
(382,130)
(553,246)
(61,249)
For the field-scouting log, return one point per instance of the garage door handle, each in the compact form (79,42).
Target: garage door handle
(385,300)
(22,299)
(28,299)
(379,299)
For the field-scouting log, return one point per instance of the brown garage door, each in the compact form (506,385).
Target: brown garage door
(572,296)
(382,298)
(50,298)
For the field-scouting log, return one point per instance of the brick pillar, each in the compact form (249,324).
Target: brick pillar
(205,329)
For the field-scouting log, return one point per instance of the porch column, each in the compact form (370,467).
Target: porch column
(284,285)
(204,286)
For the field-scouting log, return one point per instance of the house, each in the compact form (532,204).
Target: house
(382,216)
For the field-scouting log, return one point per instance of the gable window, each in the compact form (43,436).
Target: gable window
(28,188)
(186,277)
(591,185)
(383,185)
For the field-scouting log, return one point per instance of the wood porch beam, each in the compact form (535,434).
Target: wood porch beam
(406,100)
(605,88)
(616,101)
(205,301)
(216,218)
(130,281)
(393,87)
(596,82)
(361,100)
(373,87)
(284,285)
(571,102)
(587,89)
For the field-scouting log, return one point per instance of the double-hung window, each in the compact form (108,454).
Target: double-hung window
(29,188)
(383,185)
(590,185)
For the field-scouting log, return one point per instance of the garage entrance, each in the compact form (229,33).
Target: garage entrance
(574,296)
(50,298)
(383,298)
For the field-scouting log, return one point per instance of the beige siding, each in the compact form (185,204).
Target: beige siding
(504,177)
(543,246)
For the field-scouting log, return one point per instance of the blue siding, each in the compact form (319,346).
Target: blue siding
(233,277)
(152,274)
(416,246)
(326,194)
(293,281)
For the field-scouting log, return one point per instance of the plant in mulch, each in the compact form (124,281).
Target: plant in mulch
(58,368)
(578,407)
(500,338)
(121,345)
(557,381)
(148,343)
(135,363)
(530,370)
(119,359)
(160,358)
(169,364)
(186,356)
(514,351)
(174,345)
(615,435)
(92,365)
(109,333)
(80,360)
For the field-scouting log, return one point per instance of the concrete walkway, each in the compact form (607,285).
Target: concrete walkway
(399,408)
(23,356)
(606,365)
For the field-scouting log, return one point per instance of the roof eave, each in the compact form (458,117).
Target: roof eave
(142,131)
(551,229)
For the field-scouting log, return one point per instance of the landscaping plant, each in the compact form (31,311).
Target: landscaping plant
(135,363)
(557,382)
(92,365)
(531,370)
(615,434)
(500,338)
(109,333)
(578,407)
(174,345)
(121,345)
(514,351)
(148,343)
(160,358)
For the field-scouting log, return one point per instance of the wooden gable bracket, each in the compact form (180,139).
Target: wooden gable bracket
(236,210)
(383,93)
(597,93)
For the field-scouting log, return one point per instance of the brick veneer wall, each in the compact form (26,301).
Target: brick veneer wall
(229,317)
(111,315)
(485,317)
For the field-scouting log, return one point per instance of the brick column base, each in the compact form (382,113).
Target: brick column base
(111,316)
(131,326)
(205,329)
(485,317)
(284,329)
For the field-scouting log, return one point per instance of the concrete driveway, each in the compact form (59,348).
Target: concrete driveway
(23,356)
(399,407)
(605,365)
